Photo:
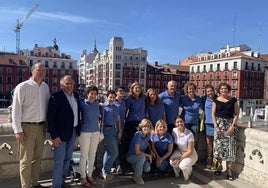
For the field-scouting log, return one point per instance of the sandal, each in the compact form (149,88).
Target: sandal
(91,180)
(84,182)
(218,168)
(217,173)
(229,175)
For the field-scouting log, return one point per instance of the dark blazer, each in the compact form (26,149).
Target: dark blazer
(60,116)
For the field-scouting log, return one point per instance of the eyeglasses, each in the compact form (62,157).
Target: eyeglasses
(145,126)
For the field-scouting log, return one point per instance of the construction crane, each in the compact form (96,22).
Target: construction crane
(19,26)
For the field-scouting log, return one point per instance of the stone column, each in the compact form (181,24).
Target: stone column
(266,113)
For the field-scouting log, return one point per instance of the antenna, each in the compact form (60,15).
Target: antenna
(234,30)
(260,35)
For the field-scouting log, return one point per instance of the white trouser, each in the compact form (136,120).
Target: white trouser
(184,165)
(88,146)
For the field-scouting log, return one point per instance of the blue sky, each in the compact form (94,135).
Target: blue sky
(169,30)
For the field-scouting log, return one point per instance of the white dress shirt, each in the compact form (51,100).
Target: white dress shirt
(73,104)
(29,104)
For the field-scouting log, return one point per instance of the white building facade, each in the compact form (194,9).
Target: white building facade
(116,66)
(238,66)
(86,67)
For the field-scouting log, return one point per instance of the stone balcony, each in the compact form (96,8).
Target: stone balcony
(251,161)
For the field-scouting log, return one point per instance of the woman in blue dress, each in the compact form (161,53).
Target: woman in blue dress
(208,100)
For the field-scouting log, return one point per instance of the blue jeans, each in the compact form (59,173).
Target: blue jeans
(193,128)
(111,148)
(140,163)
(62,156)
(164,165)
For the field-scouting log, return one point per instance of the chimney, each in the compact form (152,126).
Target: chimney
(228,48)
(155,63)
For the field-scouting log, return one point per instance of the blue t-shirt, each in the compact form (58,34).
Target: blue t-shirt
(138,138)
(161,144)
(171,104)
(208,110)
(111,113)
(90,116)
(155,112)
(122,110)
(136,108)
(190,110)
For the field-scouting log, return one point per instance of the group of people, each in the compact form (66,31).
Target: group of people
(141,131)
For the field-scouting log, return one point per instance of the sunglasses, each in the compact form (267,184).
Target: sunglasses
(145,126)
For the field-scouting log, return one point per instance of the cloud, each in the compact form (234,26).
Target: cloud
(19,14)
(65,17)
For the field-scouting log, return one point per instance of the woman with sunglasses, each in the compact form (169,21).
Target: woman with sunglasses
(136,155)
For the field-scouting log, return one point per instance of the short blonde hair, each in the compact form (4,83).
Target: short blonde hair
(145,122)
(160,122)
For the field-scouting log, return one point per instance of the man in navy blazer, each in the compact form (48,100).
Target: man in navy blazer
(63,125)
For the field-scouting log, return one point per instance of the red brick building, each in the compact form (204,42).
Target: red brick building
(159,75)
(238,66)
(58,64)
(16,68)
(13,70)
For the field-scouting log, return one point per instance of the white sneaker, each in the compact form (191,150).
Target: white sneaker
(139,181)
(119,170)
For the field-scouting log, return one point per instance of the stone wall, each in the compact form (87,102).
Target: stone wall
(252,155)
(9,158)
(251,161)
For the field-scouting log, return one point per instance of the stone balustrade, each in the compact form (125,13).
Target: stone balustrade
(9,158)
(251,160)
(252,156)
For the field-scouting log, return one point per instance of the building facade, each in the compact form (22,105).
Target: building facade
(238,66)
(86,68)
(159,75)
(16,68)
(58,64)
(116,66)
(13,70)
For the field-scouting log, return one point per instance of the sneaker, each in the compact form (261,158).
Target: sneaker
(119,170)
(139,181)
(113,170)
(107,177)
